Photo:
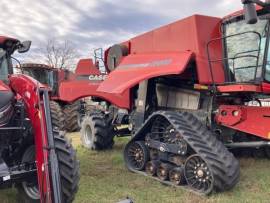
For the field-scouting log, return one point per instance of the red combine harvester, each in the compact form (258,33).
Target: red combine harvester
(69,92)
(53,77)
(184,90)
(36,157)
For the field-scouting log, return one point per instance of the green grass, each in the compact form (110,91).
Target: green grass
(104,179)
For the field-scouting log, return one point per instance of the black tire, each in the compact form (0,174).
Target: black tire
(71,112)
(28,191)
(97,132)
(57,115)
(67,162)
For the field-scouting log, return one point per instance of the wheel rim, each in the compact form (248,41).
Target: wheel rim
(88,136)
(31,190)
(198,174)
(135,155)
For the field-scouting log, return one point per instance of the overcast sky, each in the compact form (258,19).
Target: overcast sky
(98,23)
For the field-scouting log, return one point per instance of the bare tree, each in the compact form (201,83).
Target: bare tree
(60,54)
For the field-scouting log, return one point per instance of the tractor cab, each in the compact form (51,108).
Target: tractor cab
(45,74)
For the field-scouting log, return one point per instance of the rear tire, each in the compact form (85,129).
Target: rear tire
(97,131)
(71,112)
(57,115)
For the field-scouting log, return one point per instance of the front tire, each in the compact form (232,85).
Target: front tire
(97,131)
(67,162)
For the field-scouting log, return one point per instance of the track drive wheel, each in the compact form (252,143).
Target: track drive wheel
(97,132)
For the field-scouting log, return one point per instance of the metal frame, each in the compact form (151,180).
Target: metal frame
(210,61)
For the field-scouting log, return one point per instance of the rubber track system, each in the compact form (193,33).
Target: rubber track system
(223,165)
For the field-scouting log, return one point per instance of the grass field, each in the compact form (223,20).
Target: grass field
(104,179)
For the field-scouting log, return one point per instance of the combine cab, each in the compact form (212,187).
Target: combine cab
(35,155)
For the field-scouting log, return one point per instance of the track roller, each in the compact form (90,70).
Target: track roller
(151,167)
(176,176)
(163,171)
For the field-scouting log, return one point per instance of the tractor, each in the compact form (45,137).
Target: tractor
(185,90)
(35,155)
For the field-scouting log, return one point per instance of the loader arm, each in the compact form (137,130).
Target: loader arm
(35,97)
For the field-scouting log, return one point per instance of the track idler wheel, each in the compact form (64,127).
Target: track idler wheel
(163,171)
(198,175)
(177,176)
(151,167)
(136,155)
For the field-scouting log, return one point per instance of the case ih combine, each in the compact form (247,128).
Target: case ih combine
(36,157)
(53,77)
(184,89)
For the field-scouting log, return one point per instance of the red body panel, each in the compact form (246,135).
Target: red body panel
(138,67)
(239,88)
(3,39)
(70,91)
(193,34)
(26,88)
(249,119)
(86,67)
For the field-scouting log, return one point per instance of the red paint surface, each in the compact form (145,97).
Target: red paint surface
(70,91)
(86,67)
(26,88)
(252,120)
(239,88)
(193,34)
(130,71)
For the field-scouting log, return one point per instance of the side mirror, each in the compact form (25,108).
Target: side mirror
(24,46)
(250,12)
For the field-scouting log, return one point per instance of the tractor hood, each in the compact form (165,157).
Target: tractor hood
(135,68)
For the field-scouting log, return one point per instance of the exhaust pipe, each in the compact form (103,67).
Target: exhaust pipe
(250,12)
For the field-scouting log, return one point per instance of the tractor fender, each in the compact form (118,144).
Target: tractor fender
(135,68)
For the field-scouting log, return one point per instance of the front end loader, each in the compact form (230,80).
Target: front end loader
(35,155)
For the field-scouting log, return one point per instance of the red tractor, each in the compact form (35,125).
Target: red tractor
(36,157)
(185,90)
